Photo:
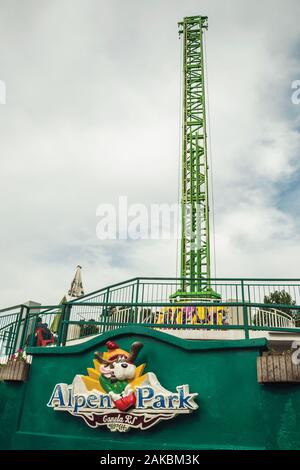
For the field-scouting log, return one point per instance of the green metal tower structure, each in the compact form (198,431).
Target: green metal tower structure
(195,239)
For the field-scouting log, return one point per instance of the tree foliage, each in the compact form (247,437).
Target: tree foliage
(280,297)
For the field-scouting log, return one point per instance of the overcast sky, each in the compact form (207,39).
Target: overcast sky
(92,112)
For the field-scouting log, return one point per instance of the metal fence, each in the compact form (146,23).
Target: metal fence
(161,289)
(242,304)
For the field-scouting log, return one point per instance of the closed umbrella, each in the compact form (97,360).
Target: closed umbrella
(76,290)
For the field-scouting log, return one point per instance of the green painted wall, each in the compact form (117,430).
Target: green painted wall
(234,410)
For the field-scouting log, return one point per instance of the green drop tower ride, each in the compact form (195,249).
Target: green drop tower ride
(195,237)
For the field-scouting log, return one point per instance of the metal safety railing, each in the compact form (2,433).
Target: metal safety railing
(241,305)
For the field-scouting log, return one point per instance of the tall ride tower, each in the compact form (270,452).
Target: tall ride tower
(195,241)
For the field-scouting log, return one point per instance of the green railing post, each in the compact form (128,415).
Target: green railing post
(32,336)
(25,328)
(65,325)
(245,312)
(17,329)
(132,313)
(136,301)
(22,326)
(105,313)
(9,342)
(60,326)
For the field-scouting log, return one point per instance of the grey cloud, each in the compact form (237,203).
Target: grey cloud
(92,112)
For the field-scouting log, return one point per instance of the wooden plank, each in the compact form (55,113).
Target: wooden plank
(298,375)
(16,370)
(19,371)
(282,365)
(264,369)
(259,370)
(295,369)
(277,377)
(270,369)
(289,369)
(9,371)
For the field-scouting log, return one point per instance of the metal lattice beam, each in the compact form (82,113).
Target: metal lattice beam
(195,249)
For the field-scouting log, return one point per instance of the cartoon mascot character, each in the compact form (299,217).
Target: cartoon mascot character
(117,374)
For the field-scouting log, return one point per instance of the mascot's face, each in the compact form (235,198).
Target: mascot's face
(121,367)
(119,370)
(123,370)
